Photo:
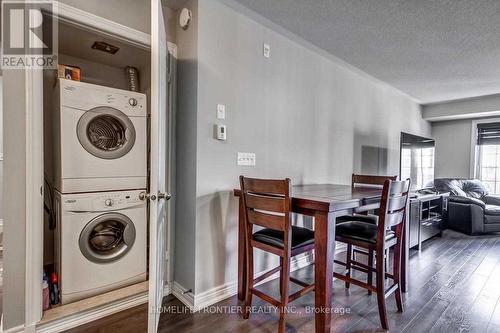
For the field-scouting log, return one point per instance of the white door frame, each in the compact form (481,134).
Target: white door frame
(34,153)
(34,197)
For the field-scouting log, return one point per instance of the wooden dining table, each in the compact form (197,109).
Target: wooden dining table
(324,202)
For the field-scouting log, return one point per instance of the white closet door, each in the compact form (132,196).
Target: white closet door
(157,187)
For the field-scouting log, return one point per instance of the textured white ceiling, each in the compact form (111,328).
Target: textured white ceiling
(433,50)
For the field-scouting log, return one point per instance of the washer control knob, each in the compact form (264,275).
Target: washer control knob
(132,101)
(108,202)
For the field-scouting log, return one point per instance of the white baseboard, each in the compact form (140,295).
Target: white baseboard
(17,329)
(215,295)
(84,317)
(187,298)
(227,290)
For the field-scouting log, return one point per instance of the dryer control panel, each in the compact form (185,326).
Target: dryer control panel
(85,96)
(103,201)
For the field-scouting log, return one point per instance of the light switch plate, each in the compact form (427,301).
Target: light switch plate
(221,111)
(267,50)
(246,159)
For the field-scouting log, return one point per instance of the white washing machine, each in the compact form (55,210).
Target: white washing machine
(101,242)
(100,139)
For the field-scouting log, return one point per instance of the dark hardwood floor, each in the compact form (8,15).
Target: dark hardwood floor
(454,287)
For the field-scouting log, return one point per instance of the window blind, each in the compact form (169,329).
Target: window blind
(488,134)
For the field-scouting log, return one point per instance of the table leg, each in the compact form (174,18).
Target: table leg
(324,242)
(242,268)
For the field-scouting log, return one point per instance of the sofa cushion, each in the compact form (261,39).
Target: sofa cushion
(492,219)
(471,188)
(449,185)
(491,200)
(466,201)
(474,188)
(492,210)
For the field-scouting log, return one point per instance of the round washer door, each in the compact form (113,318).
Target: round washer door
(106,132)
(107,238)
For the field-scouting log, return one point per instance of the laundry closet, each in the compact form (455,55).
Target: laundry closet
(97,130)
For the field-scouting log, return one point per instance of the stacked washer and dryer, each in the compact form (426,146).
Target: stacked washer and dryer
(100,168)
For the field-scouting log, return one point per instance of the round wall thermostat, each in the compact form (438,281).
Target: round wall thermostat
(185,18)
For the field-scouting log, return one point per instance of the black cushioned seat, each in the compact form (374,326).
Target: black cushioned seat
(300,237)
(373,219)
(362,231)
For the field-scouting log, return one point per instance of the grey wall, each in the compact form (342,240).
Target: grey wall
(187,104)
(131,13)
(453,145)
(14,264)
(452,131)
(305,116)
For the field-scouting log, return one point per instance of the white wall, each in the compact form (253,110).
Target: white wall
(305,115)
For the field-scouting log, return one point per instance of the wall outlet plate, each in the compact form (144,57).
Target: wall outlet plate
(246,159)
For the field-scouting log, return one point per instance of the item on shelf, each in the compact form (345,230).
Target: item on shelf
(54,295)
(133,78)
(45,292)
(69,72)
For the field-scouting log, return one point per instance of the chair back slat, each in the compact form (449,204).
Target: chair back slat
(266,186)
(363,180)
(399,187)
(393,205)
(266,203)
(396,203)
(393,219)
(275,222)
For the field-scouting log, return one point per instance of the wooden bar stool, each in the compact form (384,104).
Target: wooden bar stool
(379,238)
(356,182)
(365,181)
(267,204)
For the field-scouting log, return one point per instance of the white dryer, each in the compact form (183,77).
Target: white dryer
(101,242)
(100,138)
